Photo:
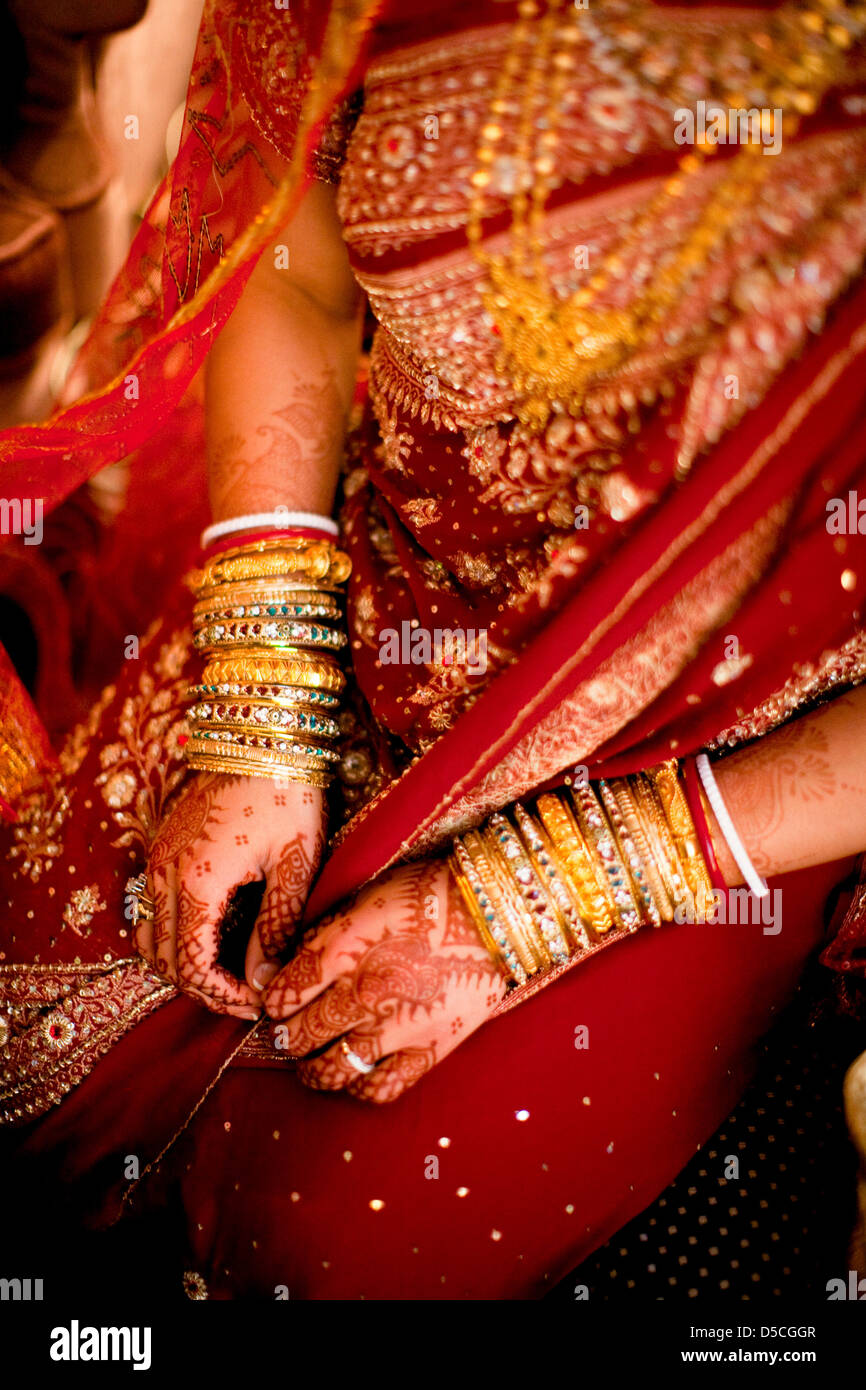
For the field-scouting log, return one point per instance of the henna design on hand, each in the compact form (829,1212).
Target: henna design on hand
(197,947)
(401,980)
(288,888)
(394,1075)
(188,822)
(162,933)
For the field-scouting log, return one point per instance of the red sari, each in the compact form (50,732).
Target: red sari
(607,647)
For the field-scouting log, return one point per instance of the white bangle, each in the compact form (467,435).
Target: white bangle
(280,520)
(757,884)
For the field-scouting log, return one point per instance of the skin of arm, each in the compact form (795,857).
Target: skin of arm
(280,377)
(278,385)
(798,796)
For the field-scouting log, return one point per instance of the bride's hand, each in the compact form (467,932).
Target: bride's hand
(399,978)
(222,832)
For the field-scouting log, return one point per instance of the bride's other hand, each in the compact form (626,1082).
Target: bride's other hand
(395,980)
(223,832)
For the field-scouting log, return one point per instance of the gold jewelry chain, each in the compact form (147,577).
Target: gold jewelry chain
(553,349)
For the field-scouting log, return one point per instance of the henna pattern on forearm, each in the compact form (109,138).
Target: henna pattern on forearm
(792,765)
(250,474)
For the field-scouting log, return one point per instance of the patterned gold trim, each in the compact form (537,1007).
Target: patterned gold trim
(56,1021)
(835,671)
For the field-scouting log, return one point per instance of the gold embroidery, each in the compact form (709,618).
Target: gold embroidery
(422,511)
(365,617)
(623,685)
(42,813)
(82,906)
(194,1286)
(396,443)
(144,767)
(835,671)
(78,740)
(36,836)
(58,1020)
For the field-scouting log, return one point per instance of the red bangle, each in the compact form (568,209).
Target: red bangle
(692,782)
(250,537)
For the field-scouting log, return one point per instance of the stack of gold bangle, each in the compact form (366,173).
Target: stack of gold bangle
(266,619)
(592,860)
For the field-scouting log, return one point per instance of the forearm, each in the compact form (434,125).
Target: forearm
(281,375)
(798,797)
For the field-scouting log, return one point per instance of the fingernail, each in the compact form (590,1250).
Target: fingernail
(251,1014)
(265,973)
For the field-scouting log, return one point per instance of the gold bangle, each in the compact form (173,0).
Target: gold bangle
(510,908)
(483,919)
(548,922)
(248,598)
(265,716)
(679,817)
(256,667)
(473,862)
(269,545)
(627,803)
(208,762)
(568,841)
(610,871)
(522,920)
(318,562)
(634,862)
(274,635)
(548,863)
(299,756)
(281,696)
(505,905)
(660,838)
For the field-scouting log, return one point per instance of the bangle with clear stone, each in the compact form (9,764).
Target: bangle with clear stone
(634,861)
(265,717)
(610,871)
(268,634)
(622,790)
(559,884)
(279,695)
(210,613)
(505,902)
(484,915)
(537,900)
(519,920)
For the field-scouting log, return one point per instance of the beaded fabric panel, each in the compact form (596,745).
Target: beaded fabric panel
(59,1020)
(404,197)
(406,186)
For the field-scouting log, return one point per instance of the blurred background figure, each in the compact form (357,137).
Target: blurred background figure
(86,133)
(83,131)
